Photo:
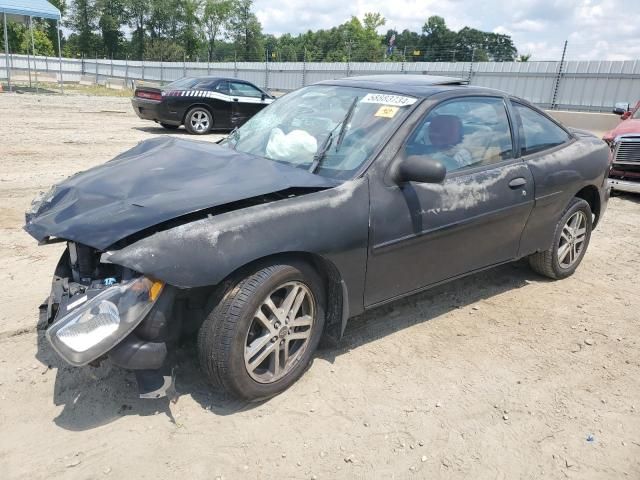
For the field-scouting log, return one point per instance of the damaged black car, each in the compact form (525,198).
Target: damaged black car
(335,199)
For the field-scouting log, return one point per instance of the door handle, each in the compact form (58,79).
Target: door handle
(517,183)
(235,99)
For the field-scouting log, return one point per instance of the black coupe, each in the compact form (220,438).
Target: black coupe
(339,197)
(200,104)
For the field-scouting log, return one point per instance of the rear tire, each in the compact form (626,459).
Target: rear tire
(198,121)
(570,242)
(169,127)
(253,351)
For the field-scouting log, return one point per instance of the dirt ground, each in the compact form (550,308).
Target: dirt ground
(501,375)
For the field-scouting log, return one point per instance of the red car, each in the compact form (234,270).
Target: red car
(624,141)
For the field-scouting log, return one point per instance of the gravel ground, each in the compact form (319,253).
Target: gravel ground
(500,375)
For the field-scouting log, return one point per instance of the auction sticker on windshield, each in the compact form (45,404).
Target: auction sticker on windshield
(386,111)
(385,99)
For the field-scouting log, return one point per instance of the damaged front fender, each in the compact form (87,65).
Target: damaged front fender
(331,223)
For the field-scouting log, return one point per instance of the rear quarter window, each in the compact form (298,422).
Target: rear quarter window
(537,132)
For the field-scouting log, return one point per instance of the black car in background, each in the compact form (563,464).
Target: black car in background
(200,103)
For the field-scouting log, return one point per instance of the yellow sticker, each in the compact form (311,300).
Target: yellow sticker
(387,111)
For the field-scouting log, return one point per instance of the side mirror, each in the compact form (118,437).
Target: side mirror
(620,108)
(263,97)
(420,169)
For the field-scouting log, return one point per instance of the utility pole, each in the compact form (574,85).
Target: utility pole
(6,52)
(33,50)
(304,67)
(266,68)
(556,87)
(235,64)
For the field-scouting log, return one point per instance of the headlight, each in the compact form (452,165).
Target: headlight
(99,323)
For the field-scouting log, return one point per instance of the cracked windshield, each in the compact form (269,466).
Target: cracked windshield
(328,130)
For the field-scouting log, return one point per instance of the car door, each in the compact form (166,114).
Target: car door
(422,234)
(247,100)
(220,103)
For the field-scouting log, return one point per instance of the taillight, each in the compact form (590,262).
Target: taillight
(149,95)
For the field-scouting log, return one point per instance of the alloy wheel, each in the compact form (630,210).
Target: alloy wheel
(572,239)
(200,121)
(279,332)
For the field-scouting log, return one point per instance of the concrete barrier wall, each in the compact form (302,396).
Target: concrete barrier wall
(598,123)
(593,86)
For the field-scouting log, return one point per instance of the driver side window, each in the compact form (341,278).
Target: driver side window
(464,133)
(244,90)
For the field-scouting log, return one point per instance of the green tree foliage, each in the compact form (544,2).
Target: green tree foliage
(246,32)
(51,25)
(138,14)
(215,19)
(20,40)
(221,30)
(111,19)
(82,20)
(191,34)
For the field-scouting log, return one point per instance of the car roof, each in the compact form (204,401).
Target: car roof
(212,78)
(414,85)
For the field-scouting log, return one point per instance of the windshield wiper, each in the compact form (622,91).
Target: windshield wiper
(234,135)
(322,151)
(345,122)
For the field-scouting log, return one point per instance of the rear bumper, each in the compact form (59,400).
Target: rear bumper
(156,111)
(624,185)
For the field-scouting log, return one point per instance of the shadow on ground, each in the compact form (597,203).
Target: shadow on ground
(95,396)
(22,89)
(159,130)
(630,197)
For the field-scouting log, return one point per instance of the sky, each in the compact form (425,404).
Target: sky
(595,29)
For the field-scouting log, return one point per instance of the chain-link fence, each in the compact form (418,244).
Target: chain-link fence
(571,85)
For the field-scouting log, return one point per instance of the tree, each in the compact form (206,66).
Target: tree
(437,41)
(525,57)
(41,42)
(500,48)
(246,32)
(20,39)
(137,12)
(190,27)
(51,25)
(112,17)
(363,42)
(216,16)
(163,49)
(82,20)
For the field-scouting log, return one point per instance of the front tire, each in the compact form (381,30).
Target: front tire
(262,336)
(570,242)
(198,121)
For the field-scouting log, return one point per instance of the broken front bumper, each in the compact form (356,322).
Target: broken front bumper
(624,185)
(124,320)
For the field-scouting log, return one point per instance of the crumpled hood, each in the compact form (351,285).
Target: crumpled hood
(156,181)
